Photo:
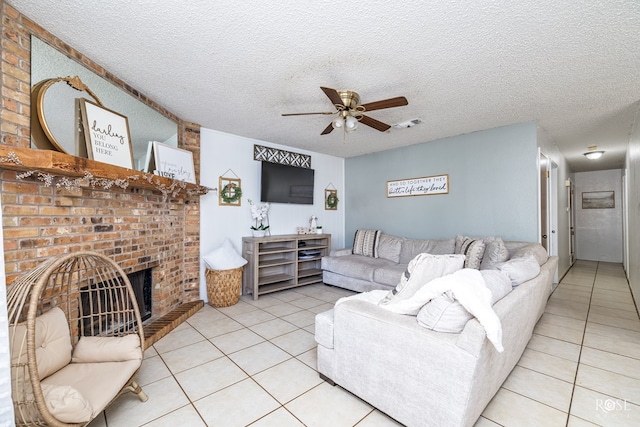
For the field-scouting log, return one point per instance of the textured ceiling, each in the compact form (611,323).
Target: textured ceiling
(571,66)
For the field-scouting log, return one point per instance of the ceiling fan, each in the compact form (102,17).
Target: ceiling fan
(350,112)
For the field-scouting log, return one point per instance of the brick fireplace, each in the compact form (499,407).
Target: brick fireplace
(138,226)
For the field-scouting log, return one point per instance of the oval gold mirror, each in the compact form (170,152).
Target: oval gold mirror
(53,103)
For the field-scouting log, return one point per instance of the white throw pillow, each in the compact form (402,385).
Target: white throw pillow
(519,270)
(66,404)
(224,258)
(420,271)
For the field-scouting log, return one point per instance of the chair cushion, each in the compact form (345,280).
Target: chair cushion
(67,404)
(365,242)
(52,340)
(107,349)
(99,383)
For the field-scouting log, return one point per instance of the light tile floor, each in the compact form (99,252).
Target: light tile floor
(254,364)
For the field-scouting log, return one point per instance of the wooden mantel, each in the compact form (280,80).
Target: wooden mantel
(61,164)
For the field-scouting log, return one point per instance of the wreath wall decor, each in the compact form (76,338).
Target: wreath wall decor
(331,200)
(230,193)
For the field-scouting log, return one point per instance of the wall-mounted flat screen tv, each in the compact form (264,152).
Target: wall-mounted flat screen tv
(286,184)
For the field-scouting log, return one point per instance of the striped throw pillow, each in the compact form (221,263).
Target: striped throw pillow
(365,243)
(472,249)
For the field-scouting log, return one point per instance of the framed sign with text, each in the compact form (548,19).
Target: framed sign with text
(106,134)
(171,162)
(423,186)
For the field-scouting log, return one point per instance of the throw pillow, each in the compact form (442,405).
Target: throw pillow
(420,271)
(495,252)
(519,270)
(534,249)
(66,404)
(107,349)
(365,242)
(472,249)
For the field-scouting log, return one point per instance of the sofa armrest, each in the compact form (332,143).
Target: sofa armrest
(341,252)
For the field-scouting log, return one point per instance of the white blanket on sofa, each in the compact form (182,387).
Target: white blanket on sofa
(466,285)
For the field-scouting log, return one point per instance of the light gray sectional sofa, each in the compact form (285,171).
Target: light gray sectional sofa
(417,375)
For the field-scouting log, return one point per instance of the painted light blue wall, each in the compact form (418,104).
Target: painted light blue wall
(493,187)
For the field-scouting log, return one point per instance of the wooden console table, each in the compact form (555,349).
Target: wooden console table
(282,262)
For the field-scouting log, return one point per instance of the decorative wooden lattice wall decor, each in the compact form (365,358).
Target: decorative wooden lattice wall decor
(273,155)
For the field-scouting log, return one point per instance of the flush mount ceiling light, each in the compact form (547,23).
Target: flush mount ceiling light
(593,153)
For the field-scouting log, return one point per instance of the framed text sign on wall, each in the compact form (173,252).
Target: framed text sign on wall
(423,186)
(106,134)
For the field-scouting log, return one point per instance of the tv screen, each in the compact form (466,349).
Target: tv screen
(286,184)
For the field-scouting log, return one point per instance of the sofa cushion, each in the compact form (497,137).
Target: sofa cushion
(355,266)
(414,247)
(107,349)
(365,242)
(389,274)
(389,247)
(67,404)
(536,250)
(420,271)
(446,314)
(495,252)
(519,270)
(472,249)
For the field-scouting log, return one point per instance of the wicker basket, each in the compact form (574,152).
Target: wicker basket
(223,286)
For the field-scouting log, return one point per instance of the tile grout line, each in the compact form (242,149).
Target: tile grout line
(584,332)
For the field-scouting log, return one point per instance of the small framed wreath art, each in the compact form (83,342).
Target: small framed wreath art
(330,200)
(230,193)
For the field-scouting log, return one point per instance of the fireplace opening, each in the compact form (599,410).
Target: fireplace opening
(101,295)
(141,282)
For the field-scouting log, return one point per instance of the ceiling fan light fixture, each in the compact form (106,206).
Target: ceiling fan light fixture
(351,123)
(337,123)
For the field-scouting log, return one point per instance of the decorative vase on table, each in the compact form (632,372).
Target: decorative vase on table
(258,233)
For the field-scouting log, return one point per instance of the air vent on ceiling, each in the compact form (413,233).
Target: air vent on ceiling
(407,124)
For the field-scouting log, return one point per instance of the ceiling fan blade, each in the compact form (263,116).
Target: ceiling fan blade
(307,114)
(385,103)
(328,129)
(333,95)
(376,124)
